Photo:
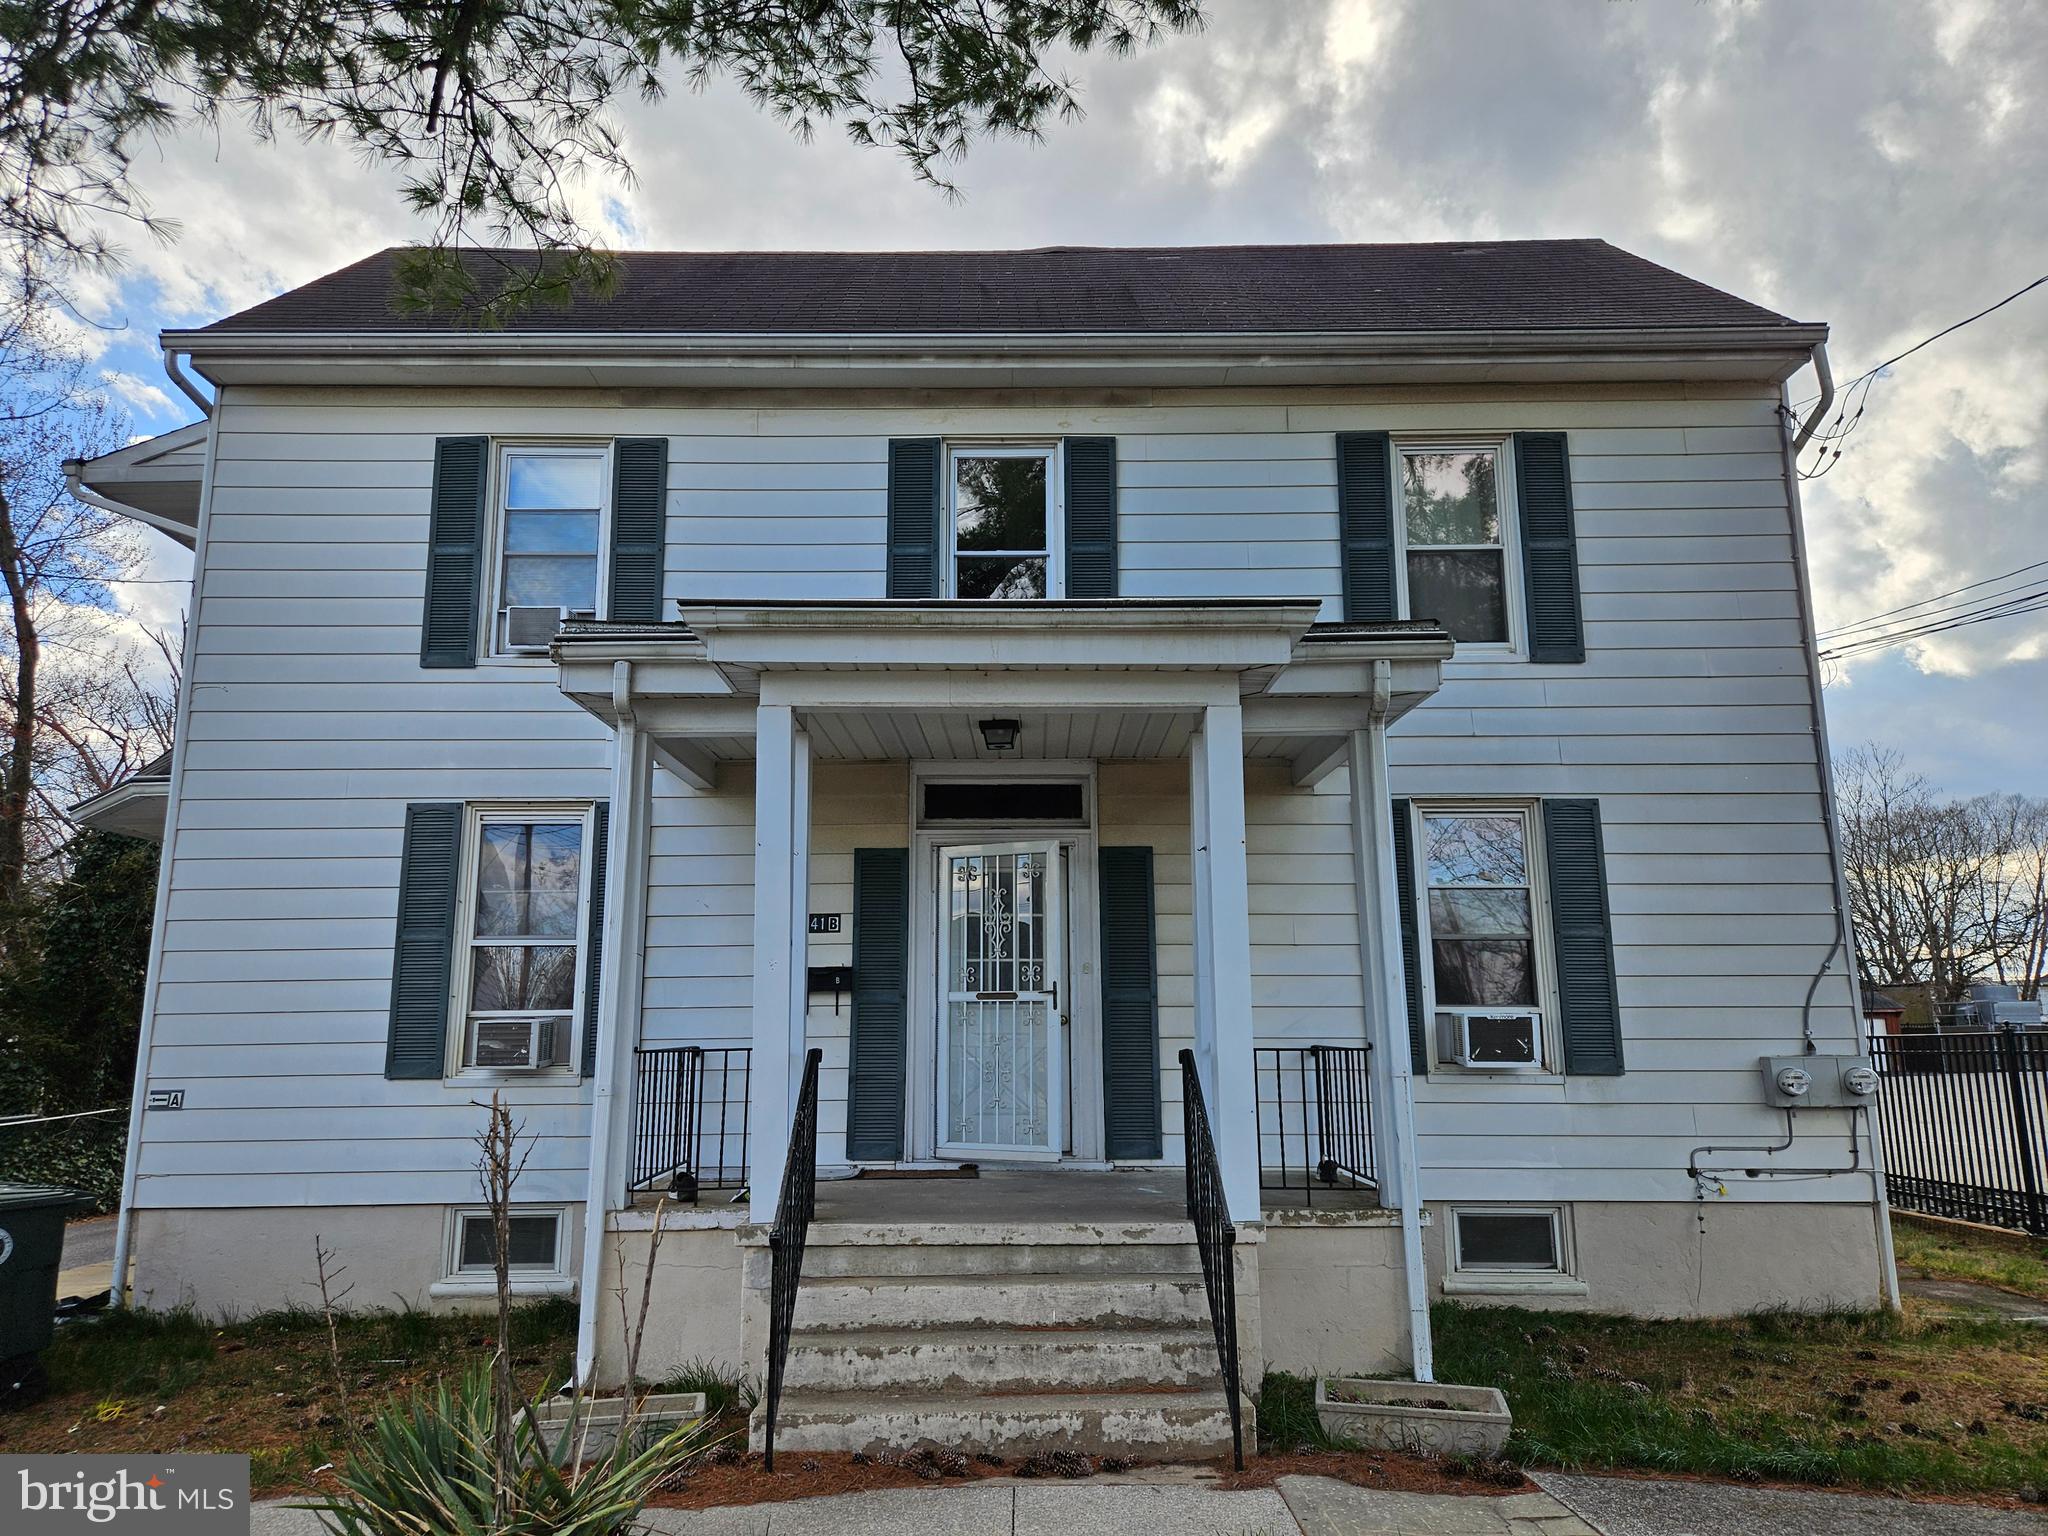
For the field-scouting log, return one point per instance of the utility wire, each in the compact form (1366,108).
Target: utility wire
(1929,341)
(1939,597)
(2028,602)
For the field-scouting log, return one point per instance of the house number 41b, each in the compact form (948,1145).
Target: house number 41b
(825,922)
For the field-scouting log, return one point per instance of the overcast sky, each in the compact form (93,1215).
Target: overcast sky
(1879,166)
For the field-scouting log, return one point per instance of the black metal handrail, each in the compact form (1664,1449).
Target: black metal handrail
(793,1213)
(1315,1118)
(691,1107)
(1215,1239)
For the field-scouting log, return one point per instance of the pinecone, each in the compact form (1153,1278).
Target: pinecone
(990,1459)
(810,1464)
(863,1459)
(1071,1464)
(1117,1463)
(948,1463)
(727,1455)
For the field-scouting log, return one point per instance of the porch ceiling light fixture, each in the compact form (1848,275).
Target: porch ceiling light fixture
(999,735)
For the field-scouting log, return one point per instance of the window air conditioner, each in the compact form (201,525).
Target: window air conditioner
(533,629)
(521,1045)
(1497,1041)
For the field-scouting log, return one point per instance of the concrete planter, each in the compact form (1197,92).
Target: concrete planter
(598,1421)
(1414,1416)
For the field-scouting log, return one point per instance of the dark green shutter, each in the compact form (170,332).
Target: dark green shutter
(455,552)
(1411,932)
(1550,547)
(1583,938)
(639,528)
(1365,525)
(425,948)
(916,539)
(1091,517)
(593,941)
(881,979)
(1130,1005)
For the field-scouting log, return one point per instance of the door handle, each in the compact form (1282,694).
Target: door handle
(995,997)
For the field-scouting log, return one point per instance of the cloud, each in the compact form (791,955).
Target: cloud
(137,391)
(1877,167)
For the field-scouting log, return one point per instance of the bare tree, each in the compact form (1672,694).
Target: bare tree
(1941,892)
(57,557)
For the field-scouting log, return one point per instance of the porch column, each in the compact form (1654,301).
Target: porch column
(621,980)
(782,836)
(1223,953)
(1386,1005)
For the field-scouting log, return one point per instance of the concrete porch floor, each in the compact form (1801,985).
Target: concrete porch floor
(1029,1195)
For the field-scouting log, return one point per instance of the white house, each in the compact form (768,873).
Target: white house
(1384,672)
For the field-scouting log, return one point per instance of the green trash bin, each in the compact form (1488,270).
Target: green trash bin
(31,1252)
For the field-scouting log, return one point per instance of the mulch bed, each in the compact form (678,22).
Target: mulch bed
(818,1474)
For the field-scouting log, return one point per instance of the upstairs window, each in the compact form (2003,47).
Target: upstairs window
(1452,528)
(551,518)
(1004,509)
(525,939)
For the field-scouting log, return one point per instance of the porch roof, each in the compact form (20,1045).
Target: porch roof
(1119,678)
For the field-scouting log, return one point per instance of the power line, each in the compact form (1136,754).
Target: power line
(2012,607)
(1929,341)
(1867,622)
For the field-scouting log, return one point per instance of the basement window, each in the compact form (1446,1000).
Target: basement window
(536,1244)
(1511,1248)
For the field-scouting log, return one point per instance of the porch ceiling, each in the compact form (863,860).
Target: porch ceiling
(1118,680)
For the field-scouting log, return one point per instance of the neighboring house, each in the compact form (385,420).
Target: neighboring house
(133,807)
(1000,672)
(1883,1014)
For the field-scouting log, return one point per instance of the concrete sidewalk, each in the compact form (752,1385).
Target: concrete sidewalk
(1317,1506)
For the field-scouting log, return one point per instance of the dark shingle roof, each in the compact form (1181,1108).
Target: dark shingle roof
(1514,285)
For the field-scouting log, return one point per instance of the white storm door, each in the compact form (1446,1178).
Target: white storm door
(1001,949)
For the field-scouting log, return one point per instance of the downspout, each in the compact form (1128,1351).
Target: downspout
(1371,781)
(1844,943)
(152,980)
(186,386)
(619,866)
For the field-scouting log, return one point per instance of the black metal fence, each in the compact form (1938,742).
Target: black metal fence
(1965,1125)
(690,1118)
(1315,1119)
(794,1209)
(1215,1238)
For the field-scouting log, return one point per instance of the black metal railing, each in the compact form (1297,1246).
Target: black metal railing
(1315,1118)
(691,1107)
(1965,1124)
(793,1212)
(1215,1239)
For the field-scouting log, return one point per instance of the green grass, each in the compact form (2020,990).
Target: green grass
(725,1392)
(1287,1415)
(1864,1400)
(1950,1251)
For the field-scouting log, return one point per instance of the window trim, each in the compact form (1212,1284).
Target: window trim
(1053,451)
(1508,510)
(475,815)
(494,648)
(456,1280)
(1562,1279)
(1550,1052)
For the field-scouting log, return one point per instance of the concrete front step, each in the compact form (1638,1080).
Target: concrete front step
(1170,1425)
(983,1359)
(835,1260)
(1048,1301)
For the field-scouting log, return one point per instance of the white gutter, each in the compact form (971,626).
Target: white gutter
(1824,764)
(164,525)
(183,380)
(153,978)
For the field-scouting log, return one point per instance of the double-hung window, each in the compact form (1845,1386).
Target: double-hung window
(1454,535)
(1004,518)
(1486,968)
(551,518)
(524,936)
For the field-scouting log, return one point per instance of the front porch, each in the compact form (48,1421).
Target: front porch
(1008,863)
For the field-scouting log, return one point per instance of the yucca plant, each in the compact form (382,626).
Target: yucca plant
(427,1466)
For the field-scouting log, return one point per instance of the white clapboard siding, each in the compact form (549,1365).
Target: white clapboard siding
(312,726)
